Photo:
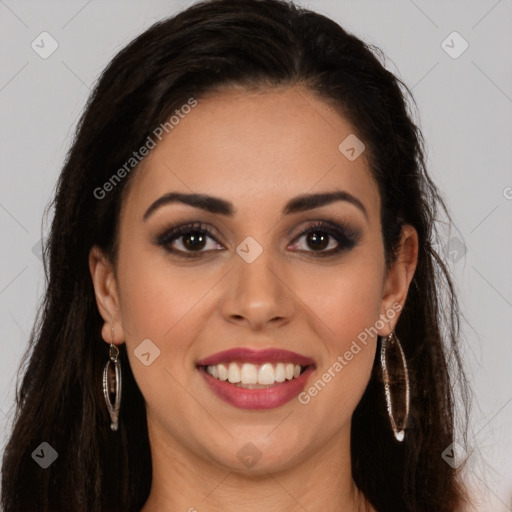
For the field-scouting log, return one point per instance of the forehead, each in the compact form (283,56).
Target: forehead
(254,149)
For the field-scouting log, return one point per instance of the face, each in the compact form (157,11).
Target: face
(257,268)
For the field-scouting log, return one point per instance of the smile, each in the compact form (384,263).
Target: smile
(256,379)
(251,376)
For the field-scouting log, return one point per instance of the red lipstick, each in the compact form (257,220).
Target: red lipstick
(248,355)
(273,395)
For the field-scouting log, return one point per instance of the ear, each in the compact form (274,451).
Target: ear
(106,293)
(398,279)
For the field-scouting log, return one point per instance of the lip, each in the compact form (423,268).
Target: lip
(265,398)
(248,355)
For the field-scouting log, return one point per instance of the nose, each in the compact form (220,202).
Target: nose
(258,294)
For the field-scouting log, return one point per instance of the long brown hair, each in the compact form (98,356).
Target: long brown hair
(251,43)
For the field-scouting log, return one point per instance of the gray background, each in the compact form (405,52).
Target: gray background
(465,107)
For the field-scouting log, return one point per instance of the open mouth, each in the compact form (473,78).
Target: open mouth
(254,376)
(256,379)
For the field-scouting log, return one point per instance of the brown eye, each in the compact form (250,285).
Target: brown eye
(188,239)
(326,238)
(194,241)
(318,240)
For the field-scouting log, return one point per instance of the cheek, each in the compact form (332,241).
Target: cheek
(166,303)
(347,306)
(154,292)
(163,304)
(333,393)
(345,298)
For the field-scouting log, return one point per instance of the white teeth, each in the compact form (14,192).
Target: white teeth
(249,374)
(223,372)
(266,374)
(233,373)
(280,374)
(252,376)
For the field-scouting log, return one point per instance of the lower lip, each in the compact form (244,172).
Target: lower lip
(264,398)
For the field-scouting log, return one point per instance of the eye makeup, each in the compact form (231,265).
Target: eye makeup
(196,235)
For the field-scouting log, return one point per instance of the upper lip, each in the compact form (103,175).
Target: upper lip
(249,355)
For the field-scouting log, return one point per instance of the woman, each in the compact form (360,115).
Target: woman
(244,306)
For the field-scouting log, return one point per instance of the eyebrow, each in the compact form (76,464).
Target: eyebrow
(221,206)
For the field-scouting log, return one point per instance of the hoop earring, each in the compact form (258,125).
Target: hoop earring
(393,340)
(112,383)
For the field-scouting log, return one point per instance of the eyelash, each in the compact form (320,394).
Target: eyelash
(346,236)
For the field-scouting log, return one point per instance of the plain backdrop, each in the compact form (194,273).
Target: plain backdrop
(464,98)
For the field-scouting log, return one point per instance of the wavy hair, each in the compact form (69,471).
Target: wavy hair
(253,44)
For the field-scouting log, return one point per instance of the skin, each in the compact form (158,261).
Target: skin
(256,150)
